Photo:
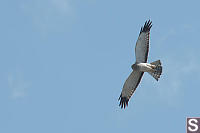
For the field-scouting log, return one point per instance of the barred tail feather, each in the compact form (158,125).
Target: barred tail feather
(158,69)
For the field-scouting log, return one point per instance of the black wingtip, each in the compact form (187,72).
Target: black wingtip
(147,26)
(123,101)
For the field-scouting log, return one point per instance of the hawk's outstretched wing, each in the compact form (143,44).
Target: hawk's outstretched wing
(129,87)
(142,44)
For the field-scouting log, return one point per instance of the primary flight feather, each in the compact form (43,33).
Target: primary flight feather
(140,66)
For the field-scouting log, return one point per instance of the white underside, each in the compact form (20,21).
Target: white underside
(145,67)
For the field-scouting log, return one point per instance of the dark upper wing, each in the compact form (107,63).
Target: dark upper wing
(129,87)
(142,44)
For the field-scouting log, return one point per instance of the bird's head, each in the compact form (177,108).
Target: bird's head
(133,66)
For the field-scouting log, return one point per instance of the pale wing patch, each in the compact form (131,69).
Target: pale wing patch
(142,44)
(142,47)
(129,87)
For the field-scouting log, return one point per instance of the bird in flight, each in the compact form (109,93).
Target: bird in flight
(140,66)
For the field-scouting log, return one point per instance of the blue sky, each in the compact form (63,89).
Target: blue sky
(64,62)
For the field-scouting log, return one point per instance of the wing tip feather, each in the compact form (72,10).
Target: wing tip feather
(123,101)
(147,26)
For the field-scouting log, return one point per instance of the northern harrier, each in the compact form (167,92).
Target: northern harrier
(140,66)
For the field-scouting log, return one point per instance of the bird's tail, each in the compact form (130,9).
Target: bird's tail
(158,69)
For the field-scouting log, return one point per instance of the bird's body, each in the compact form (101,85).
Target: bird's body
(140,66)
(143,67)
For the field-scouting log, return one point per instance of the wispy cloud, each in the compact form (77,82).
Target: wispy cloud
(17,85)
(62,6)
(45,7)
(48,14)
(170,33)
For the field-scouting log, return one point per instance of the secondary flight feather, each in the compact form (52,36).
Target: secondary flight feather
(140,66)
